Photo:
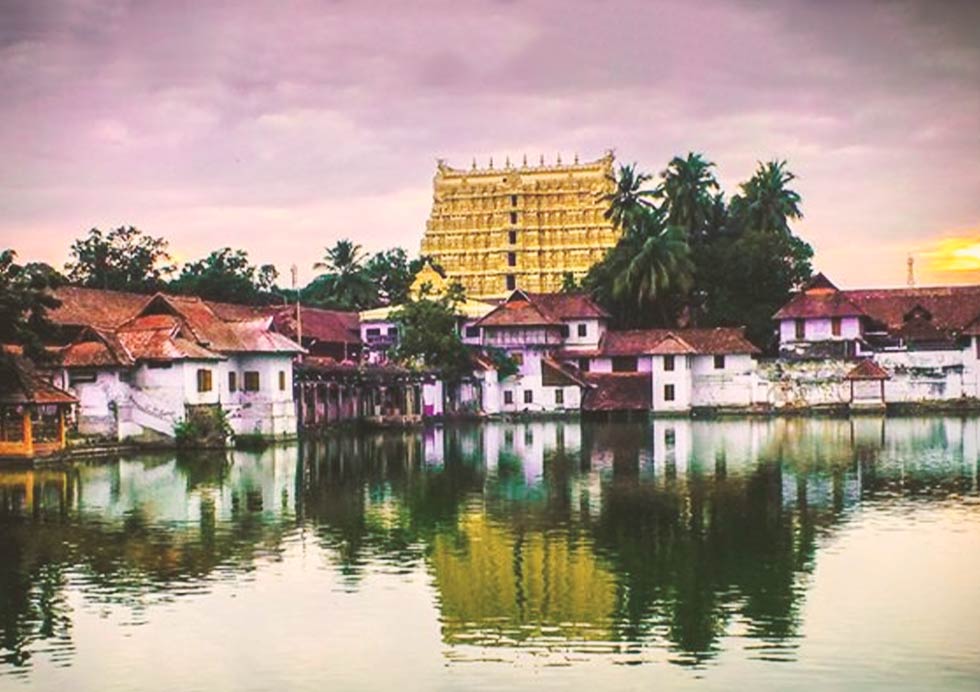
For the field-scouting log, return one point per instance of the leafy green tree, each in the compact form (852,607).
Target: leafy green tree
(25,298)
(428,336)
(392,274)
(629,198)
(748,273)
(226,275)
(345,283)
(569,284)
(124,259)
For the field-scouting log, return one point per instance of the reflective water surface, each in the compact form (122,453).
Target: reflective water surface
(784,554)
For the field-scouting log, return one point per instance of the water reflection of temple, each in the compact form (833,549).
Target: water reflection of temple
(668,535)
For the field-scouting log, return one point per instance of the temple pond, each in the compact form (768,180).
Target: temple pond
(796,553)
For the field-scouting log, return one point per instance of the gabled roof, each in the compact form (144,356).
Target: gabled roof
(542,309)
(705,341)
(554,374)
(165,326)
(20,383)
(867,370)
(951,310)
(618,391)
(331,326)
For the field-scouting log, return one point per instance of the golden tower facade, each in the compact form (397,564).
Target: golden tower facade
(523,226)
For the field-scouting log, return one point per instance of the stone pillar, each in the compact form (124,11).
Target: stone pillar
(61,427)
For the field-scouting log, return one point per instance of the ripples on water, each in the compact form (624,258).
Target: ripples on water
(720,550)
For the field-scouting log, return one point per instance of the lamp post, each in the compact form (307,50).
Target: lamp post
(294,270)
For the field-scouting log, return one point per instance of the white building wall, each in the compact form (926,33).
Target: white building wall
(679,377)
(820,329)
(731,385)
(594,329)
(270,411)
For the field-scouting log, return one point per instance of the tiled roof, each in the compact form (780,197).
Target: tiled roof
(867,370)
(332,326)
(804,305)
(568,306)
(707,341)
(950,309)
(165,326)
(618,391)
(542,309)
(20,383)
(93,307)
(554,374)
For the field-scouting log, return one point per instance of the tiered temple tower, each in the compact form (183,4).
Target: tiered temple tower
(496,229)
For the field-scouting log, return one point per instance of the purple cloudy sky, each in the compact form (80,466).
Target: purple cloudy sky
(280,127)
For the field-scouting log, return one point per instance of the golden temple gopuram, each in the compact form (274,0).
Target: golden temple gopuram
(496,229)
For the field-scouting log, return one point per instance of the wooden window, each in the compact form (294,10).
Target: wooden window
(203,380)
(668,392)
(511,282)
(513,218)
(719,362)
(232,381)
(159,365)
(512,237)
(472,332)
(373,331)
(282,380)
(511,259)
(668,363)
(560,396)
(508,397)
(583,329)
(513,200)
(624,363)
(835,326)
(583,364)
(800,329)
(251,381)
(563,330)
(528,396)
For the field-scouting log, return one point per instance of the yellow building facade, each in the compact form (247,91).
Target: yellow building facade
(519,226)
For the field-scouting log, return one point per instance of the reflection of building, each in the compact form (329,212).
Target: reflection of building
(495,230)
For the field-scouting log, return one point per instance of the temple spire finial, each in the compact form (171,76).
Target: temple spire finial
(491,163)
(525,161)
(542,159)
(474,163)
(559,159)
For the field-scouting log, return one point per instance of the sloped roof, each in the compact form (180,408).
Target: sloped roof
(20,383)
(706,341)
(618,391)
(952,308)
(809,305)
(554,374)
(93,307)
(541,309)
(568,306)
(322,325)
(867,370)
(194,328)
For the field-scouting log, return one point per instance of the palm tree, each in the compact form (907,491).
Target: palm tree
(661,265)
(628,198)
(345,282)
(687,194)
(766,203)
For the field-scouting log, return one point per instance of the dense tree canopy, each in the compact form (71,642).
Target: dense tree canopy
(692,258)
(227,275)
(344,283)
(25,299)
(124,259)
(428,336)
